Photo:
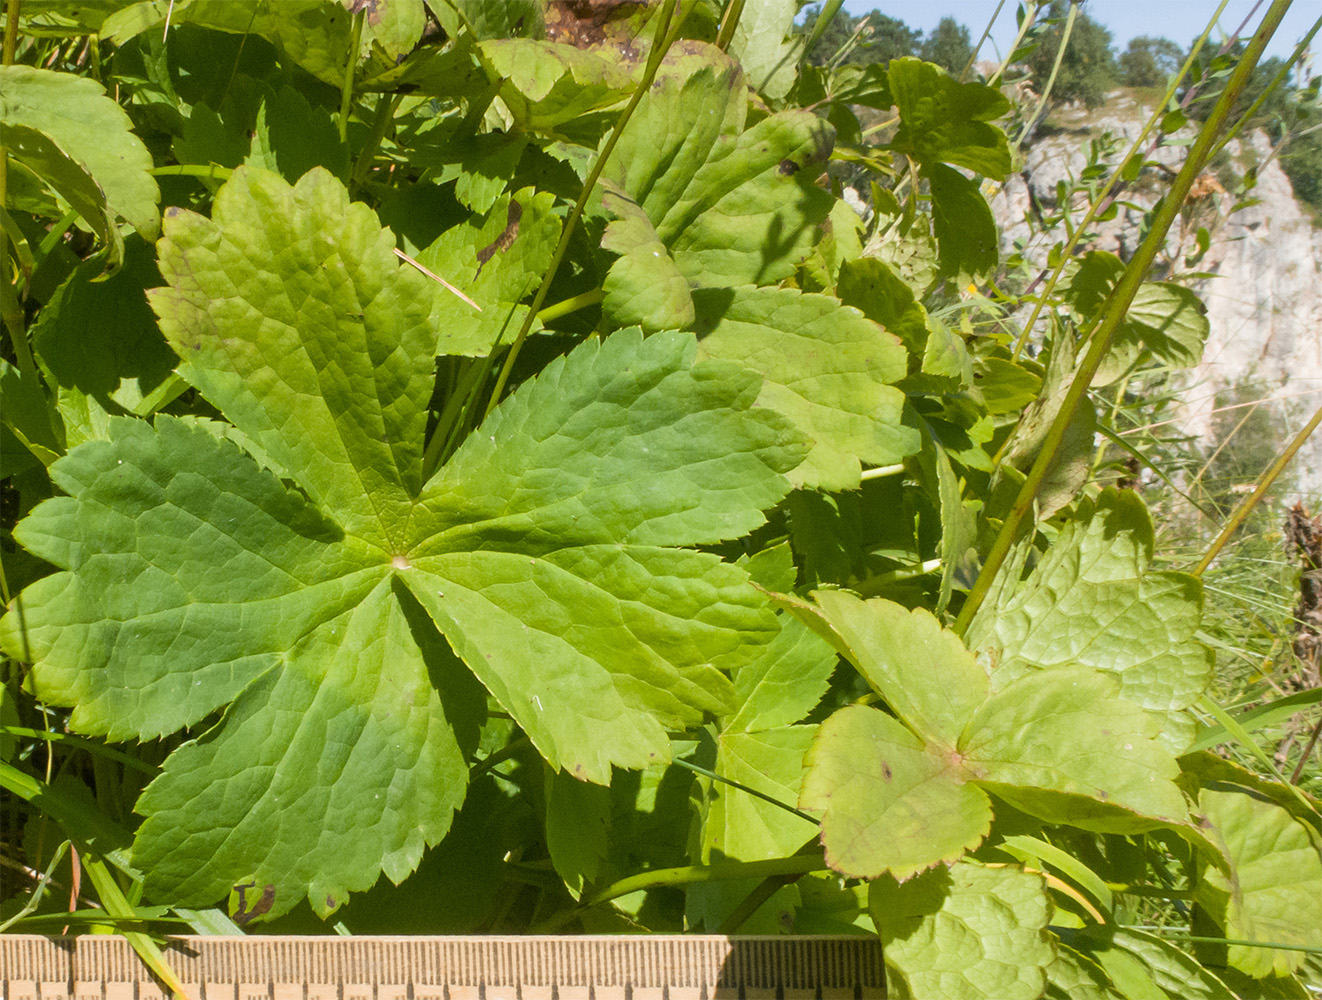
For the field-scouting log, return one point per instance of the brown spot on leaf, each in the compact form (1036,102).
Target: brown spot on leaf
(505,240)
(787,168)
(608,26)
(371,6)
(330,902)
(263,905)
(886,771)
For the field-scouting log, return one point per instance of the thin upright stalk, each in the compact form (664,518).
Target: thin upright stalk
(729,21)
(1107,195)
(661,42)
(1253,499)
(11,314)
(1164,216)
(346,89)
(1027,130)
(973,56)
(824,19)
(1024,27)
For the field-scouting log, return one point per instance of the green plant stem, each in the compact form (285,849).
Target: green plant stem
(767,888)
(1241,942)
(986,32)
(34,898)
(824,18)
(850,44)
(11,34)
(1151,891)
(723,871)
(213,171)
(11,313)
(1027,130)
(1308,750)
(498,757)
(385,113)
(690,766)
(351,66)
(729,21)
(882,471)
(78,742)
(1252,500)
(1024,26)
(659,48)
(1163,217)
(571,305)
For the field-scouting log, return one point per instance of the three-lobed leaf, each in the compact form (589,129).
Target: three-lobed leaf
(902,793)
(734,203)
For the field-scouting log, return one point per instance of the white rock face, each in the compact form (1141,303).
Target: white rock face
(1265,303)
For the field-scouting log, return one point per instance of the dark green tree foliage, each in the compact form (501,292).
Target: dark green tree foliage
(949,46)
(1289,112)
(883,38)
(1148,61)
(1088,69)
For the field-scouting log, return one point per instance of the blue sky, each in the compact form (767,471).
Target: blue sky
(1178,20)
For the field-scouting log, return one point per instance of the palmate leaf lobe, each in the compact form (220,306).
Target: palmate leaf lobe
(318,599)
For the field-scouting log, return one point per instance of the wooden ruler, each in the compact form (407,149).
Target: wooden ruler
(654,967)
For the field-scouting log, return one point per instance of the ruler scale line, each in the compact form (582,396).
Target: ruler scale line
(589,967)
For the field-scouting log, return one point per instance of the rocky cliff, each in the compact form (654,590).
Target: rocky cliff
(1265,299)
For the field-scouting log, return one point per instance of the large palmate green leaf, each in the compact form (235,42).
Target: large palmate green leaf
(1273,890)
(903,793)
(1093,600)
(306,592)
(826,367)
(75,115)
(967,933)
(734,204)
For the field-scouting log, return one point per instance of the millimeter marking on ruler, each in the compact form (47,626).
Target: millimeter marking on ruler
(643,967)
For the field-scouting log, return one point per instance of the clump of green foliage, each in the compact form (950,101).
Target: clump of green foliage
(469,482)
